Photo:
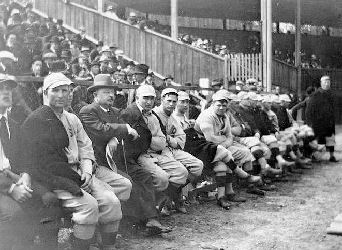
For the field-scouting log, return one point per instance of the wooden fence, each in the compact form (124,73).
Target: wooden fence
(284,75)
(244,66)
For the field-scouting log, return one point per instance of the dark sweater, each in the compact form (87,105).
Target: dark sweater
(46,140)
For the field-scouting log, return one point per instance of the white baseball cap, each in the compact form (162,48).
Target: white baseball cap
(55,80)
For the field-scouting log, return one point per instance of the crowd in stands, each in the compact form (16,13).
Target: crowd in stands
(109,153)
(308,61)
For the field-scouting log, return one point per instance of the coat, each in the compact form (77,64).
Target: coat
(45,139)
(101,127)
(320,114)
(132,115)
(12,152)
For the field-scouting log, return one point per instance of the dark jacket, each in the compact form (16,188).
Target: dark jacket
(283,118)
(12,152)
(320,113)
(101,127)
(133,117)
(46,139)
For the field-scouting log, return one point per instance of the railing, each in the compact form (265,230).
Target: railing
(244,66)
(284,75)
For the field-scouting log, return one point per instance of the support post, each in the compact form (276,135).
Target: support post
(298,60)
(174,21)
(266,24)
(225,71)
(263,42)
(269,45)
(100,6)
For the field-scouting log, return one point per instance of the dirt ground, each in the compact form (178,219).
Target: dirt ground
(294,217)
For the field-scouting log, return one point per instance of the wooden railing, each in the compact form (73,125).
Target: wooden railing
(284,75)
(244,66)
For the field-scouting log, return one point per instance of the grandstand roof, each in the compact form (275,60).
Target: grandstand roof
(315,12)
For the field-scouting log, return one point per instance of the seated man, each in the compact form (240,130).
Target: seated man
(102,124)
(249,136)
(259,124)
(20,199)
(175,135)
(210,153)
(214,125)
(287,132)
(59,146)
(151,149)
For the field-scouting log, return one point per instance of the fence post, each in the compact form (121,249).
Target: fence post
(225,71)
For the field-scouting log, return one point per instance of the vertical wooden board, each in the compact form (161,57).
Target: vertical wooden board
(214,69)
(189,54)
(122,38)
(142,47)
(137,45)
(133,44)
(229,72)
(64,14)
(97,21)
(148,49)
(172,69)
(78,18)
(201,62)
(115,32)
(91,23)
(130,50)
(126,39)
(166,58)
(207,66)
(195,67)
(154,53)
(159,62)
(178,62)
(183,64)
(61,9)
(106,30)
(100,28)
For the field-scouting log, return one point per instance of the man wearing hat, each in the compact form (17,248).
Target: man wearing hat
(175,137)
(140,73)
(94,68)
(104,64)
(320,115)
(255,122)
(168,80)
(96,51)
(210,153)
(55,46)
(149,149)
(58,144)
(215,126)
(102,123)
(105,51)
(20,198)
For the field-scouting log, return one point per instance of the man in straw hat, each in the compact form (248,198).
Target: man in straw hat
(58,144)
